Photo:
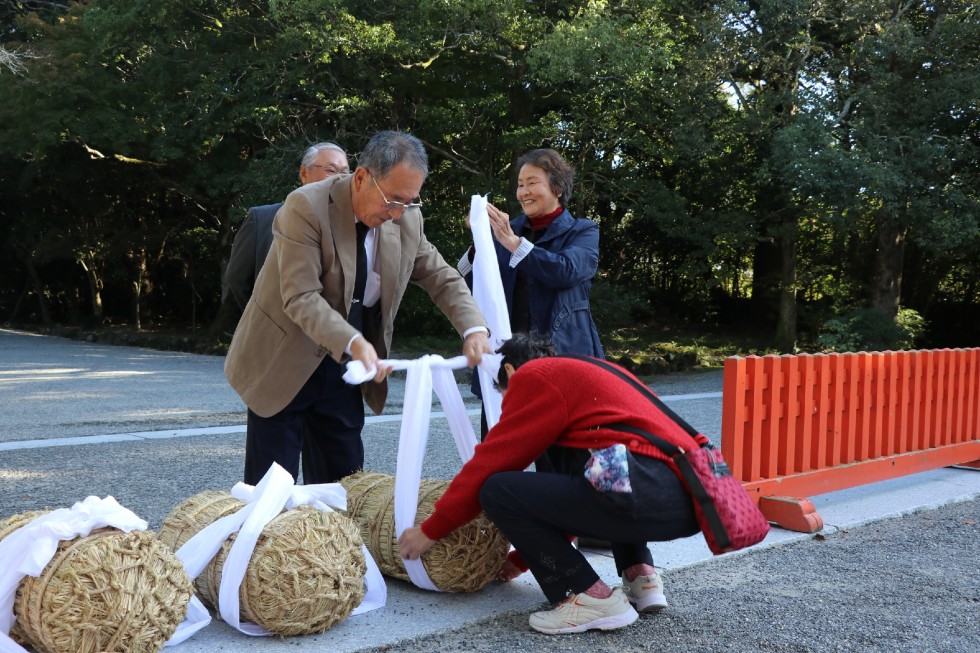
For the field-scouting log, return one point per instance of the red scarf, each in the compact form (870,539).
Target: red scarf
(542,221)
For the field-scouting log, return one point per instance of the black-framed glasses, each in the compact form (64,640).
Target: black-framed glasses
(330,170)
(391,205)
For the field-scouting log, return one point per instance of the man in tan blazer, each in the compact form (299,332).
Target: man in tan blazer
(288,352)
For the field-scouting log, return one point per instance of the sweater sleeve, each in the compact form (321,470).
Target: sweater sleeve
(532,417)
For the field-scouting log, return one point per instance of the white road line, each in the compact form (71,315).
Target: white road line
(232,430)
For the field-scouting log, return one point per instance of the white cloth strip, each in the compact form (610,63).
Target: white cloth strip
(356,373)
(411,450)
(275,492)
(270,498)
(197,618)
(488,291)
(444,383)
(424,375)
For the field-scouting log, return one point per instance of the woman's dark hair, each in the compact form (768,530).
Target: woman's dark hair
(521,348)
(560,174)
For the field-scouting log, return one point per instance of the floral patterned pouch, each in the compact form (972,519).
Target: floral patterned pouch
(608,470)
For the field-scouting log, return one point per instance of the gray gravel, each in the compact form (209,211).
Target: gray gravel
(905,584)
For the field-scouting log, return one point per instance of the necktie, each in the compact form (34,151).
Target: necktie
(356,315)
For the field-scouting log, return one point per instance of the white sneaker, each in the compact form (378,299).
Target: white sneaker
(581,612)
(646,593)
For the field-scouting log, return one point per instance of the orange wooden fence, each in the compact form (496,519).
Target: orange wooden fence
(797,426)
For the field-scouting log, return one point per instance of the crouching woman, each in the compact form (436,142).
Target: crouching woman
(627,492)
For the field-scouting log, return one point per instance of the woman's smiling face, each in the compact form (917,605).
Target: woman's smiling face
(534,192)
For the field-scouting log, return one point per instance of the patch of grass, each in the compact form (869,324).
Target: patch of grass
(643,349)
(648,349)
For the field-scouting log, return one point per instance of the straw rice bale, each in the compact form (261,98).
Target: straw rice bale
(108,591)
(463,561)
(306,573)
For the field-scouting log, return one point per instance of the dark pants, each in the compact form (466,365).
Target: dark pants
(324,420)
(537,512)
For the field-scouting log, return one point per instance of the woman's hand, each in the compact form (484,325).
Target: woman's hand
(500,225)
(508,571)
(413,543)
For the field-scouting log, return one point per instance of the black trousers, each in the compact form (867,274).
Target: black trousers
(324,420)
(537,512)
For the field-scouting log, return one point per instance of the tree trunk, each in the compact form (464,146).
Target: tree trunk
(889,257)
(94,287)
(20,302)
(786,324)
(138,259)
(134,304)
(765,282)
(38,290)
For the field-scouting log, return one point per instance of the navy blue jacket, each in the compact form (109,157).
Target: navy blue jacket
(560,269)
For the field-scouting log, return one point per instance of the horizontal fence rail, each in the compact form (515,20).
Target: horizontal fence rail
(796,426)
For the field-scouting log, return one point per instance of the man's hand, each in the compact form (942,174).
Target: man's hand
(363,351)
(413,543)
(475,345)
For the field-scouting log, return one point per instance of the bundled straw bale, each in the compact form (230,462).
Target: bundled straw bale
(463,561)
(306,573)
(108,591)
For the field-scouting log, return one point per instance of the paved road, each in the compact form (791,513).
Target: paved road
(152,428)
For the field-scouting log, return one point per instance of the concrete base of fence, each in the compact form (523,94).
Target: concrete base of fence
(791,513)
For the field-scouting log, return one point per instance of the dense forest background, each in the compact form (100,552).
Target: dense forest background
(805,169)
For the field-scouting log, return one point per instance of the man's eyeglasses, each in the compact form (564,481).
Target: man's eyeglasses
(330,170)
(391,205)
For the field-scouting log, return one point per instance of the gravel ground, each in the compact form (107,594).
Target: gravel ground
(904,584)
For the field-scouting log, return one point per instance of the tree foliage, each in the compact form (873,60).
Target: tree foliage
(763,162)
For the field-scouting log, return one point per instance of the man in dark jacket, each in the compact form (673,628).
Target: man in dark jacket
(254,237)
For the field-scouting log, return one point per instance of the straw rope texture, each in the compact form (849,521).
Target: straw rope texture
(306,573)
(108,591)
(463,561)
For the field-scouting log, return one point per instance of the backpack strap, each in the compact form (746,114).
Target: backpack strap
(654,399)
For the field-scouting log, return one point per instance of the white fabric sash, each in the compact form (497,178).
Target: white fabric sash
(275,492)
(423,375)
(488,291)
(29,549)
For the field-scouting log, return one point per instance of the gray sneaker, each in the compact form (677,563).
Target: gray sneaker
(646,593)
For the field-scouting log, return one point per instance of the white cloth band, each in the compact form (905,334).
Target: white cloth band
(488,291)
(275,492)
(29,549)
(423,376)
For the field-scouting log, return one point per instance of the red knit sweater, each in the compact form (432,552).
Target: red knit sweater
(552,401)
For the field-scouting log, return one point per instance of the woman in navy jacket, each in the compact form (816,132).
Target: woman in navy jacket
(547,258)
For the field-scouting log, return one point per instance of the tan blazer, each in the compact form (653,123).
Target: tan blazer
(298,310)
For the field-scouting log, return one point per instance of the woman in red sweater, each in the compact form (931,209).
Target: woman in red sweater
(567,403)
